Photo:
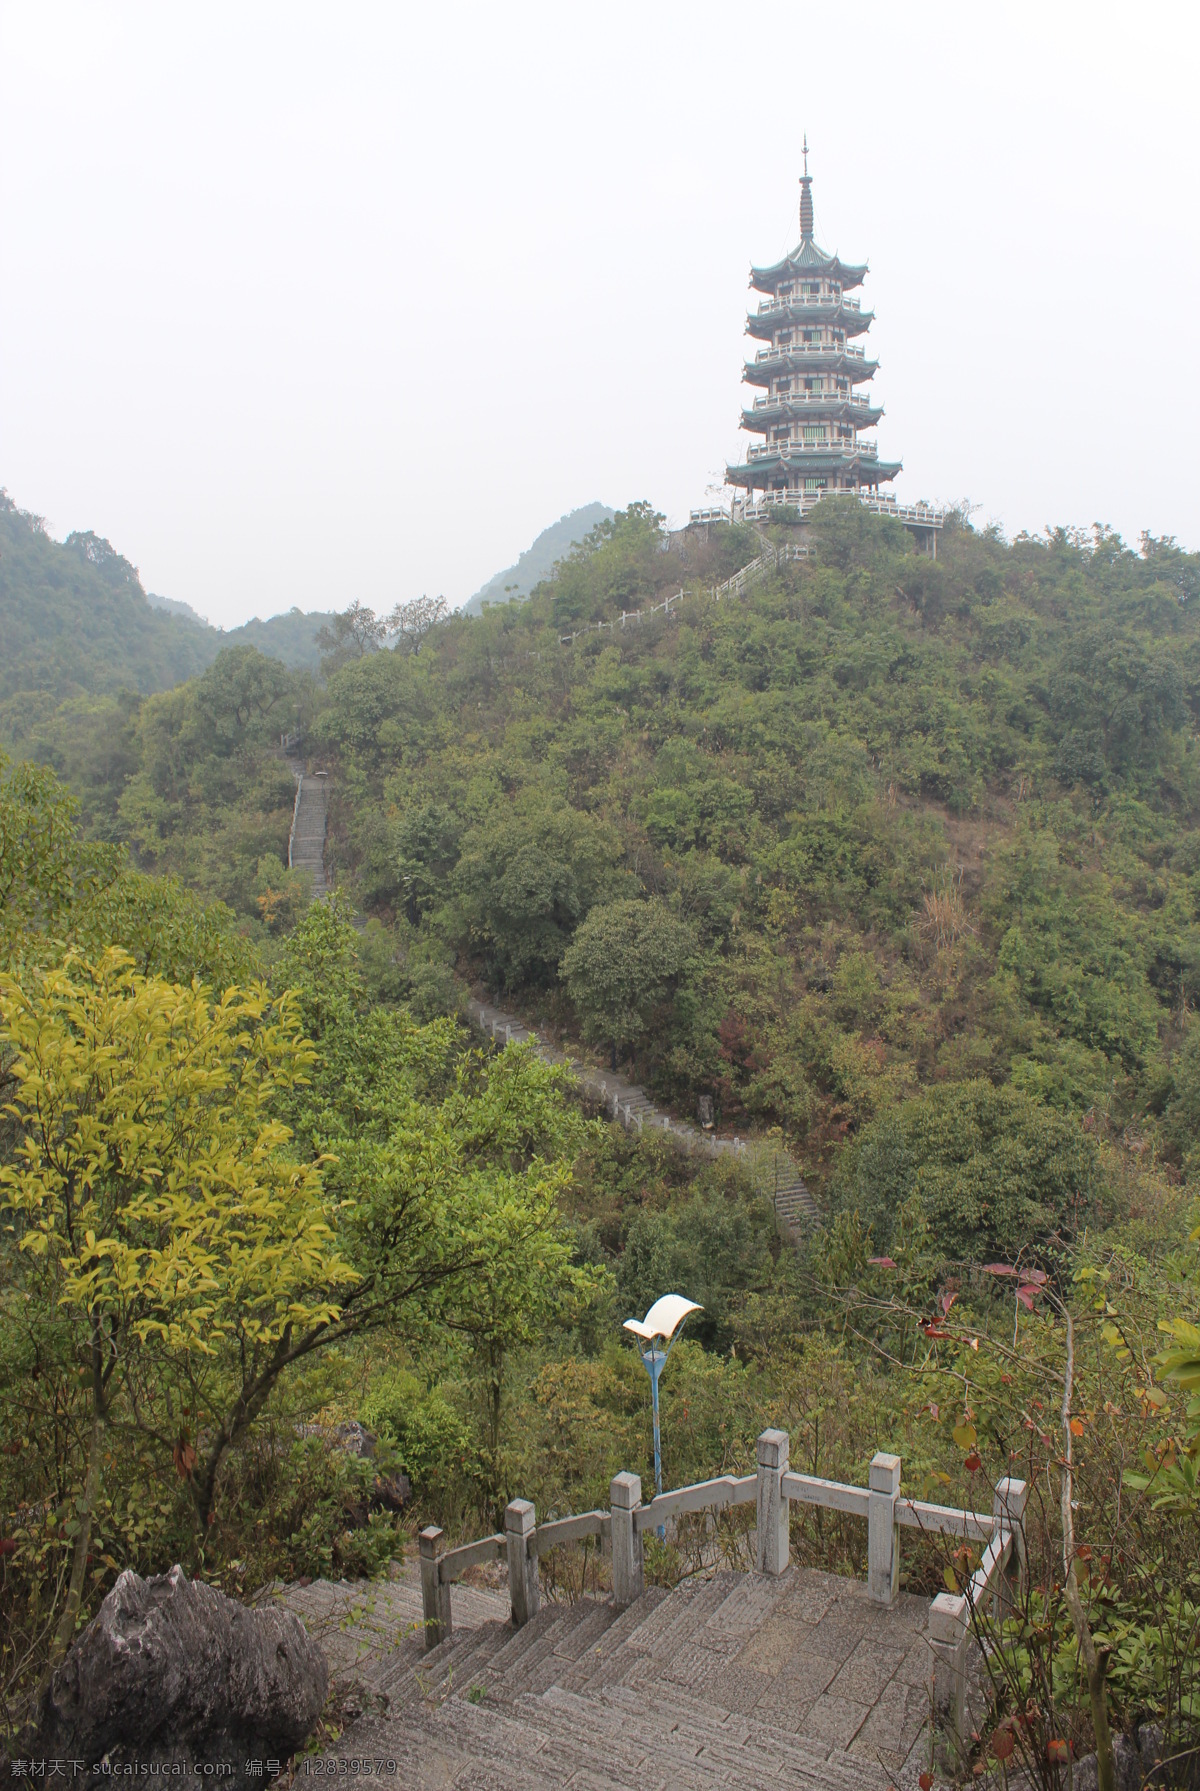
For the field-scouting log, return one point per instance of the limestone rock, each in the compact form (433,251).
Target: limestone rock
(171,1671)
(1138,1763)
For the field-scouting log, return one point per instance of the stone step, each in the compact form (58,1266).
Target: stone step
(668,1628)
(521,1753)
(767,1752)
(719,1740)
(606,1658)
(665,1694)
(411,1677)
(533,1662)
(624,1742)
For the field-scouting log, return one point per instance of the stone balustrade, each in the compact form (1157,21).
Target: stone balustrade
(772,1488)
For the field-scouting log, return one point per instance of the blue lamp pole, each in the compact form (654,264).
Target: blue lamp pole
(654,1361)
(656,1335)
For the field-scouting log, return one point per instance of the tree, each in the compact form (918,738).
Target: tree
(155,1206)
(411,622)
(42,868)
(449,1174)
(526,879)
(994,1171)
(625,960)
(356,631)
(242,686)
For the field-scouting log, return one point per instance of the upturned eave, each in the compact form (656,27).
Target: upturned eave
(772,469)
(761,373)
(807,259)
(763,324)
(835,410)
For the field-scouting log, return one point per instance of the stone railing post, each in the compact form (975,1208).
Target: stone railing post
(435,1598)
(625,1496)
(1008,1512)
(524,1589)
(772,1450)
(883,1539)
(949,1626)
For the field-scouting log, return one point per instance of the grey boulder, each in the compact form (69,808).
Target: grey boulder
(171,1672)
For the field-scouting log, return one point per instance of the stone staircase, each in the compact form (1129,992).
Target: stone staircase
(774,1173)
(306,842)
(739,1678)
(778,1180)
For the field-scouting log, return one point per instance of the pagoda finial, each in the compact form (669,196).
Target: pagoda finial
(806,204)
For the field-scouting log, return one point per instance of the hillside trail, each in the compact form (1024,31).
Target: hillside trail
(772,1170)
(774,1173)
(306,840)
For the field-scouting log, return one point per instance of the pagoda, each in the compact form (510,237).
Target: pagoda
(811,376)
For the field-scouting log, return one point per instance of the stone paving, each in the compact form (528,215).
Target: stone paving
(731,1679)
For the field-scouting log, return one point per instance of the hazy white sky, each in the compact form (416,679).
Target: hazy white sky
(304,303)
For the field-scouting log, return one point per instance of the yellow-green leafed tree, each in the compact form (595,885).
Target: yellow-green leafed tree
(156,1219)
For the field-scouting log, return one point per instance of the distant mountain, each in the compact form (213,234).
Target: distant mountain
(291,637)
(538,561)
(76,624)
(175,607)
(74,620)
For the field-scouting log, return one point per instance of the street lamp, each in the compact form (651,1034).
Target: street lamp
(661,1322)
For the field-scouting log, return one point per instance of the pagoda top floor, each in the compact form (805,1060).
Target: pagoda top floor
(808,262)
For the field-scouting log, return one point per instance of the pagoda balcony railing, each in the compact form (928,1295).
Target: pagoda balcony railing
(851,398)
(922,515)
(846,348)
(807,298)
(859,450)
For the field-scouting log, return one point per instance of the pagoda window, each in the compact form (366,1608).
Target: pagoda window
(815,484)
(814,433)
(785,339)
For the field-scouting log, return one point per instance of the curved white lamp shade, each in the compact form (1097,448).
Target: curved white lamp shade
(663,1319)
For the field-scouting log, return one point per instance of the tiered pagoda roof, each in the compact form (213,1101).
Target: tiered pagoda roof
(808,410)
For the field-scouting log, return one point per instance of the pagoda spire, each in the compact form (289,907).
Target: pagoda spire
(806,204)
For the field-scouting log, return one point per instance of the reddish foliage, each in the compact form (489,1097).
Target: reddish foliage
(736,1045)
(1003,1743)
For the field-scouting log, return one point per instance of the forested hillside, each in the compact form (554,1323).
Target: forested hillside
(899,857)
(889,825)
(76,620)
(82,642)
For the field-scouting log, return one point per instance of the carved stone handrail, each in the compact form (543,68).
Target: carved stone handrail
(571,1529)
(774,1488)
(832,1494)
(706,1495)
(453,1564)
